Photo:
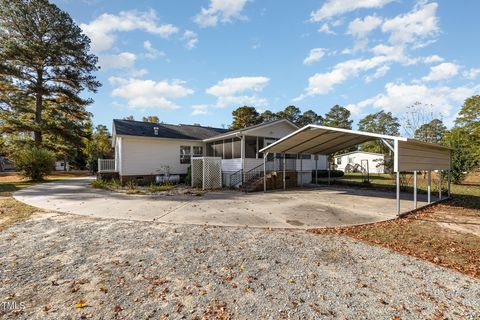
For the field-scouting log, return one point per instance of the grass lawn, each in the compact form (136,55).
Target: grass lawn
(447,233)
(11,210)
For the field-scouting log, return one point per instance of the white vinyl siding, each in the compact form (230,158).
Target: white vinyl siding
(146,156)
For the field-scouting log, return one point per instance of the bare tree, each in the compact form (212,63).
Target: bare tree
(416,116)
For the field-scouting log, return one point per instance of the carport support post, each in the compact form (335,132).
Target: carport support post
(316,169)
(284,185)
(414,189)
(440,185)
(328,169)
(429,187)
(265,172)
(398,192)
(301,170)
(449,181)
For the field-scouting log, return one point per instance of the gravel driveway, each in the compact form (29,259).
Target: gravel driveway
(139,270)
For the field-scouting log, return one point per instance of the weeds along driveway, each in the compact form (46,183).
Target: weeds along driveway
(308,208)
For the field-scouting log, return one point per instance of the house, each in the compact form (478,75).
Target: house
(360,161)
(5,164)
(144,150)
(61,165)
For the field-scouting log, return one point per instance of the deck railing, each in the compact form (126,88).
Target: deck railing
(106,165)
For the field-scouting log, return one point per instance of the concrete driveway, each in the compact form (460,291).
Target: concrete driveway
(307,208)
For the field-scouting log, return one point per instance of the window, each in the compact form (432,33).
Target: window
(185,154)
(198,151)
(209,149)
(351,160)
(339,160)
(251,147)
(218,149)
(237,148)
(227,148)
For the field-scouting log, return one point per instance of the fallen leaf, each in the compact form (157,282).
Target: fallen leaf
(81,304)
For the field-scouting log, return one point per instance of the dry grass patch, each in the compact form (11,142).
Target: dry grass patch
(13,211)
(447,234)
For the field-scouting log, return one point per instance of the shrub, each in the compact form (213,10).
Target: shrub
(152,188)
(188,177)
(324,173)
(100,183)
(34,163)
(131,185)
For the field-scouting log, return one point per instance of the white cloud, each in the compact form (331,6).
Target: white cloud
(199,110)
(223,11)
(323,83)
(360,28)
(149,93)
(190,38)
(314,55)
(380,72)
(231,91)
(152,53)
(415,26)
(354,109)
(471,74)
(102,31)
(123,61)
(442,71)
(433,59)
(398,97)
(325,28)
(230,86)
(333,8)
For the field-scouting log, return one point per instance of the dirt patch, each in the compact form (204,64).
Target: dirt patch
(13,211)
(446,234)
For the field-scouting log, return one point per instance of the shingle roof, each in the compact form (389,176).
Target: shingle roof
(170,131)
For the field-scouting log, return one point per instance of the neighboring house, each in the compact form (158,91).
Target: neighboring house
(5,165)
(360,161)
(61,165)
(144,150)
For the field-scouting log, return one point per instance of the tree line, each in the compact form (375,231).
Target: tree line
(419,122)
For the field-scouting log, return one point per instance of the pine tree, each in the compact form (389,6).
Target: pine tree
(45,66)
(244,117)
(338,117)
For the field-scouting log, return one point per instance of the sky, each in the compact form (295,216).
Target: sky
(196,61)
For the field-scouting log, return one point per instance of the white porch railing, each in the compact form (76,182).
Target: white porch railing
(106,165)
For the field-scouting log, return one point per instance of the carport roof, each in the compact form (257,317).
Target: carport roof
(316,139)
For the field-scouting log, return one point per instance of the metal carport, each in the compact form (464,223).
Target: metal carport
(409,154)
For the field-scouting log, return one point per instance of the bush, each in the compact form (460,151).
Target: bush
(34,163)
(152,188)
(324,173)
(188,177)
(100,183)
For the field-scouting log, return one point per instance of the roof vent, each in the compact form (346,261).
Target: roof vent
(155,130)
